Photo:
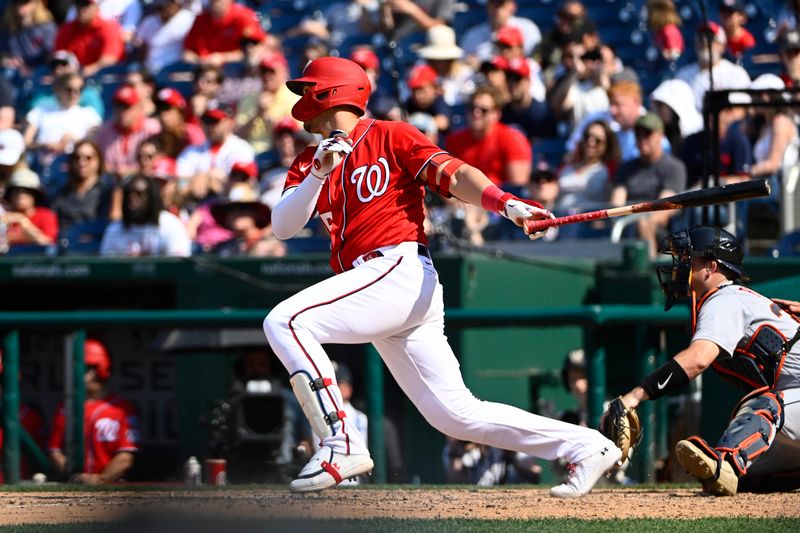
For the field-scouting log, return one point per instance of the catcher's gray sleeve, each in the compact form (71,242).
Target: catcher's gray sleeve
(722,320)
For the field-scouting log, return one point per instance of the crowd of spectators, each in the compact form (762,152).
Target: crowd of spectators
(163,127)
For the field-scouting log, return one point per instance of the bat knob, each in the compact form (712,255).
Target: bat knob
(337,133)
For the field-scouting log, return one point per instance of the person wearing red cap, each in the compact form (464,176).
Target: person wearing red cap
(426,97)
(176,132)
(119,137)
(501,151)
(727,75)
(477,41)
(733,15)
(53,127)
(217,33)
(211,162)
(257,113)
(95,41)
(159,38)
(532,117)
(509,43)
(110,426)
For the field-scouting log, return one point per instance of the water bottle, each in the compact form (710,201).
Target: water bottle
(192,471)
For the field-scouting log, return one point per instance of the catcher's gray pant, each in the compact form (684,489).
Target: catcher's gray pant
(784,454)
(395,302)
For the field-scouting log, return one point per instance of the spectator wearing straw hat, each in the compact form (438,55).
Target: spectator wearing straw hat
(26,220)
(249,221)
(446,58)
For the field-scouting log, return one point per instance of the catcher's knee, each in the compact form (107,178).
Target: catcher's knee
(752,430)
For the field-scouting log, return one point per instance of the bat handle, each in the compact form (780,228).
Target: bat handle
(533,226)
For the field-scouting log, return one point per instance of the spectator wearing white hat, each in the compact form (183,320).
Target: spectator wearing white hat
(774,130)
(443,54)
(26,220)
(727,75)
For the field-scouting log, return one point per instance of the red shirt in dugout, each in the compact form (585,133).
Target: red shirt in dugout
(91,42)
(110,425)
(501,145)
(373,198)
(211,35)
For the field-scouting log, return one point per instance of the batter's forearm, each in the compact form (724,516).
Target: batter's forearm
(295,208)
(469,184)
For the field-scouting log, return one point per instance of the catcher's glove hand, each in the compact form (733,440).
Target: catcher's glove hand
(622,426)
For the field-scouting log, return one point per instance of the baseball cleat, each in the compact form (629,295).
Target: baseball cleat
(583,475)
(704,468)
(328,468)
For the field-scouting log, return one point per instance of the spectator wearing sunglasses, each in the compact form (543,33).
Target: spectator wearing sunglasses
(586,181)
(500,151)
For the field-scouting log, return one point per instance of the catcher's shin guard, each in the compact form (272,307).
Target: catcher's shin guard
(752,430)
(708,466)
(309,393)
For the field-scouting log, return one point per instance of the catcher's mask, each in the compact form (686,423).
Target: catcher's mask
(708,242)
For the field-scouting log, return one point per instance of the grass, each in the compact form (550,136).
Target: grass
(155,524)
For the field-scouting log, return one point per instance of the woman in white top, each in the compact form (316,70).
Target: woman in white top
(54,127)
(774,128)
(585,182)
(146,228)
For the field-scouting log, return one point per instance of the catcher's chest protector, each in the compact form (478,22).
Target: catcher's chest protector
(758,361)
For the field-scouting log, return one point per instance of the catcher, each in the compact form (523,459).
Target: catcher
(752,342)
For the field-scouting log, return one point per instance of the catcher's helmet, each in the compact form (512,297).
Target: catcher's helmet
(328,82)
(96,355)
(709,242)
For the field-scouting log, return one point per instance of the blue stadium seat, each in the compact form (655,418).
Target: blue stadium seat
(54,175)
(550,151)
(83,238)
(788,245)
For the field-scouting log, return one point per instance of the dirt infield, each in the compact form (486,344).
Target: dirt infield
(423,503)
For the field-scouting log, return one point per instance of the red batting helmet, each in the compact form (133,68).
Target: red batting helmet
(96,355)
(327,82)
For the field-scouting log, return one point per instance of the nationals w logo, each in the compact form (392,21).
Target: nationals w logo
(371,181)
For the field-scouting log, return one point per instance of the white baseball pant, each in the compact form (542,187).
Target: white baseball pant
(395,302)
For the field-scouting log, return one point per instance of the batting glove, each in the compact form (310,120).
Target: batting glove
(329,154)
(518,210)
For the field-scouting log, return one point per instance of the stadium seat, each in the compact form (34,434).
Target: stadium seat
(82,238)
(788,246)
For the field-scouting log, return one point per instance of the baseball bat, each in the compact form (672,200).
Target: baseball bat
(724,194)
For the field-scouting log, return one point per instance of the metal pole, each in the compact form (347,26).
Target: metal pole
(375,413)
(78,399)
(11,407)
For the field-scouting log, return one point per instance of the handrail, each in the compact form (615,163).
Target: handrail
(591,317)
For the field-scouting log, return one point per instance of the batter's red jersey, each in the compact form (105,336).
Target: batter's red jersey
(372,199)
(110,425)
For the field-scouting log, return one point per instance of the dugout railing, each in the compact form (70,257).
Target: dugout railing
(592,319)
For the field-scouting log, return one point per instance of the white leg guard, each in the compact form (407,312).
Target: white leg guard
(308,392)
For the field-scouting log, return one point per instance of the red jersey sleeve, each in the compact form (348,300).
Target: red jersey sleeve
(248,22)
(112,40)
(411,148)
(56,440)
(516,146)
(62,38)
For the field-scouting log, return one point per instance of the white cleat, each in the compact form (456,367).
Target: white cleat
(583,475)
(328,468)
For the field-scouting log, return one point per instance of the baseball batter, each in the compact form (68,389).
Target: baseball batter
(366,181)
(752,342)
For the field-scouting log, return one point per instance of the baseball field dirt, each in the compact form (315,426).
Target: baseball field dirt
(519,503)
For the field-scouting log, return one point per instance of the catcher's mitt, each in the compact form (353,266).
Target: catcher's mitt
(621,425)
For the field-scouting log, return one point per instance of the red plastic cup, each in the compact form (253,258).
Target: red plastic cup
(216,472)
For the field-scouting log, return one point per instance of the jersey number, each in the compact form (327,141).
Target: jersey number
(371,181)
